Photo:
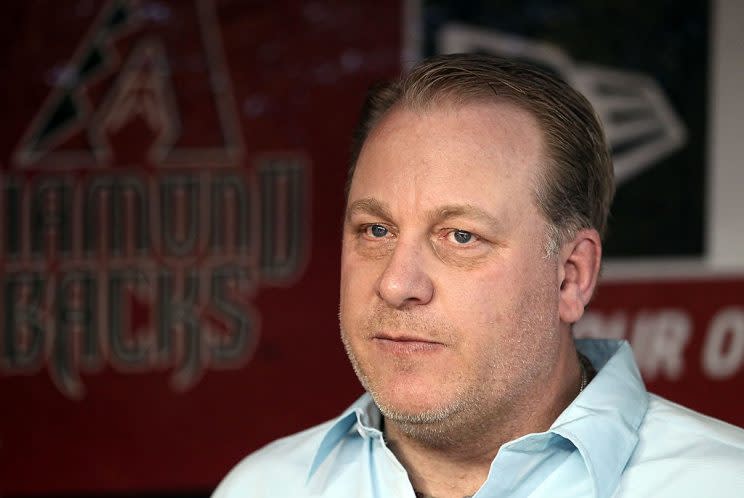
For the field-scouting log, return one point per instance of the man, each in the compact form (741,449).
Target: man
(478,194)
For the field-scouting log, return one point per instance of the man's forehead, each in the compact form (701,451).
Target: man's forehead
(499,116)
(483,140)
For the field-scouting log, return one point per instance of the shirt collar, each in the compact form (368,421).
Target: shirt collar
(602,422)
(363,415)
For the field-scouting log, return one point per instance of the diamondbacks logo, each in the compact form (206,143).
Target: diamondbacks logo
(639,122)
(135,232)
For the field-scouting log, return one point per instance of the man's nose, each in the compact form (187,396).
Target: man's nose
(405,281)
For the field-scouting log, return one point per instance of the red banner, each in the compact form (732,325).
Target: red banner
(171,190)
(687,335)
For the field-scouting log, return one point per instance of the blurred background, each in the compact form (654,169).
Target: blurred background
(171,194)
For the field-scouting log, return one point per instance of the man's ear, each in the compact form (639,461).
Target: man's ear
(580,261)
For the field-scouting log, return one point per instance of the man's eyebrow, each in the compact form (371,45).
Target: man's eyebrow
(378,209)
(465,211)
(369,206)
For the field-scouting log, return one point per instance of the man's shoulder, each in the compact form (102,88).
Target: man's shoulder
(681,452)
(282,464)
(696,432)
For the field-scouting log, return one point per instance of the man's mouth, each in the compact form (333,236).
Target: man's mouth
(406,343)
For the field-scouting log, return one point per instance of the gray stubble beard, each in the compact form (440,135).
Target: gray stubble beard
(471,414)
(434,428)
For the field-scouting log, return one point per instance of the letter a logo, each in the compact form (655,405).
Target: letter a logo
(123,101)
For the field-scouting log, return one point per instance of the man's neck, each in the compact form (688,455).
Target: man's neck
(439,473)
(459,466)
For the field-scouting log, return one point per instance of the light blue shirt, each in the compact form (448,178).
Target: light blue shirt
(614,440)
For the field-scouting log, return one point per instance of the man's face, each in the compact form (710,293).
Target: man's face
(449,304)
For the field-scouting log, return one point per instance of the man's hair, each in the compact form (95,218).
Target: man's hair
(575,188)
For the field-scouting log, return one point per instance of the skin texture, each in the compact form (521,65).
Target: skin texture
(452,315)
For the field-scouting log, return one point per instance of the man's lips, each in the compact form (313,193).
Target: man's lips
(403,338)
(406,343)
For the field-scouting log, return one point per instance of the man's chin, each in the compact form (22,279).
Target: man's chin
(408,411)
(434,427)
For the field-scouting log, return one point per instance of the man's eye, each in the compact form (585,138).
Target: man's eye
(461,236)
(377,231)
